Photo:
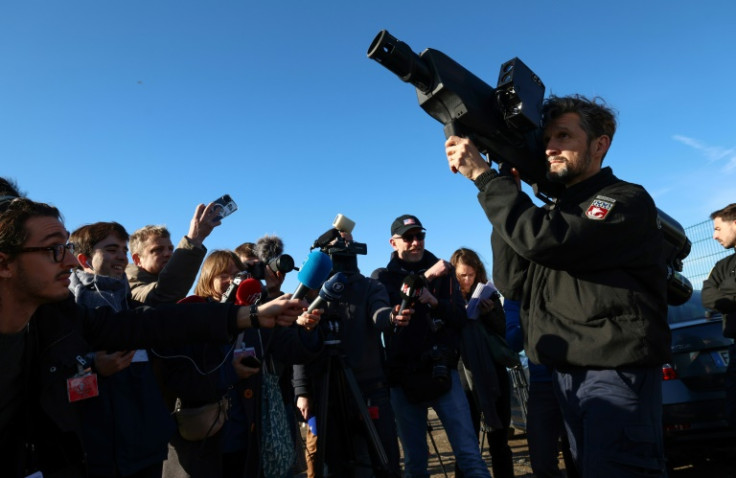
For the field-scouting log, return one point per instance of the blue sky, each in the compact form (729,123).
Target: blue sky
(136,111)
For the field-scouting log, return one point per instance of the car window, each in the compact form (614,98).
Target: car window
(691,310)
(701,336)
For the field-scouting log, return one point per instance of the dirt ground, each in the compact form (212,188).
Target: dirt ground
(444,464)
(717,462)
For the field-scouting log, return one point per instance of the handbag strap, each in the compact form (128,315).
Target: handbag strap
(268,365)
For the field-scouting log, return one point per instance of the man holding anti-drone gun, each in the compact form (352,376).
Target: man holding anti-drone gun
(600,259)
(343,394)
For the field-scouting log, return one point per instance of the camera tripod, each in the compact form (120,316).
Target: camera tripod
(340,397)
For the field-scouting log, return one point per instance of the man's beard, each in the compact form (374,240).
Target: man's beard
(564,174)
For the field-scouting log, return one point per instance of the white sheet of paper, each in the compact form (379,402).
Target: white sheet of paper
(482,291)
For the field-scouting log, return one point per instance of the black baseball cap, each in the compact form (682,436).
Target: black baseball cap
(405,223)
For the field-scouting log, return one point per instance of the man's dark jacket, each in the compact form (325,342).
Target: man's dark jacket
(407,347)
(362,312)
(48,432)
(719,293)
(595,291)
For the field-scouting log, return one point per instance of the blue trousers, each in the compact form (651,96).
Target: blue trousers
(544,428)
(614,420)
(453,411)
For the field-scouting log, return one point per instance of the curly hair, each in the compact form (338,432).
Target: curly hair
(596,118)
(15,211)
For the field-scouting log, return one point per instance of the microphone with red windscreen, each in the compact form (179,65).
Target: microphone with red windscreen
(411,290)
(249,292)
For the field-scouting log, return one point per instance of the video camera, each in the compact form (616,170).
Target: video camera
(283,263)
(504,124)
(342,252)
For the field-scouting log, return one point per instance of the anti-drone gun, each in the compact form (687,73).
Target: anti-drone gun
(504,123)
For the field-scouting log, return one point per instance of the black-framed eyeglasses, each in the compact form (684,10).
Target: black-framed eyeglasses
(419,236)
(58,250)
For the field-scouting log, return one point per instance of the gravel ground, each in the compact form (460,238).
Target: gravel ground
(716,462)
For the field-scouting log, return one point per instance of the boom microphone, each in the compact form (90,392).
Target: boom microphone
(249,292)
(331,290)
(313,273)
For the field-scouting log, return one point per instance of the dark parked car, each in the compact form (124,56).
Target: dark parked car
(693,394)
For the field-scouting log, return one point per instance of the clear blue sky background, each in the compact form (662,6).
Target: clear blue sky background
(136,111)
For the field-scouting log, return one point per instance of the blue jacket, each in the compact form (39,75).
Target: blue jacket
(515,339)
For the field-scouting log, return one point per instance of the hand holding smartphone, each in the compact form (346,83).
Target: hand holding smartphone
(225,206)
(251,361)
(248,357)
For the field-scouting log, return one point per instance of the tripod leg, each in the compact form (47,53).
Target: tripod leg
(321,435)
(373,439)
(483,432)
(436,450)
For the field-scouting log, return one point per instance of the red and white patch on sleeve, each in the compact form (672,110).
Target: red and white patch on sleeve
(599,208)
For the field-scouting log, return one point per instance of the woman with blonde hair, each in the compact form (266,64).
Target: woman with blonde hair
(204,374)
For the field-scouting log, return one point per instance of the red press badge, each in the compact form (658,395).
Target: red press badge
(81,387)
(84,384)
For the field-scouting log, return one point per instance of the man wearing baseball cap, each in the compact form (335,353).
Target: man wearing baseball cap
(422,350)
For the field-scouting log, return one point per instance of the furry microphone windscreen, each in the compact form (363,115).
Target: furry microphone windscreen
(269,247)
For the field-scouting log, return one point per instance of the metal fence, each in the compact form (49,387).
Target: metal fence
(704,254)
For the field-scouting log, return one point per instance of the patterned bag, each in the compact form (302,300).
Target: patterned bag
(277,445)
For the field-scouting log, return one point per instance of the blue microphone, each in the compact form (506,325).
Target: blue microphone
(313,273)
(331,290)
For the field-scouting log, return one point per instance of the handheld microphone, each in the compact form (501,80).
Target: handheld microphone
(229,294)
(313,273)
(411,290)
(331,290)
(249,292)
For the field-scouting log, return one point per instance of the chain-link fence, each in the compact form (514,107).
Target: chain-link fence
(704,254)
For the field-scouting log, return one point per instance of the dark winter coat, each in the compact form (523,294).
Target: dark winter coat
(57,335)
(595,291)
